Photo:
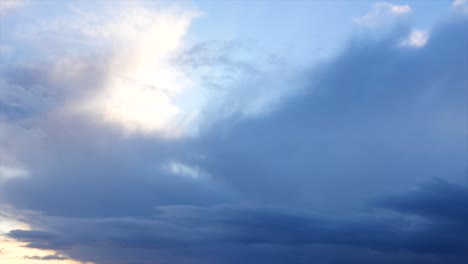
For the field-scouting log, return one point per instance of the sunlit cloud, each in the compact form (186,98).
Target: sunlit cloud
(138,132)
(416,39)
(382,12)
(142,82)
(15,252)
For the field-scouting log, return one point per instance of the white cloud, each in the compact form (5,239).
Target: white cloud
(119,66)
(460,5)
(381,12)
(9,172)
(185,170)
(457,3)
(416,38)
(138,93)
(6,5)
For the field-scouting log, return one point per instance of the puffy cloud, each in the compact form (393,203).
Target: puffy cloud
(185,170)
(416,39)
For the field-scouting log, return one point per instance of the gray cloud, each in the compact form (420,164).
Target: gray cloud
(249,232)
(437,198)
(374,120)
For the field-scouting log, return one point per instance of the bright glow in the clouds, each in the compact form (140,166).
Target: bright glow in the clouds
(131,134)
(14,252)
(138,94)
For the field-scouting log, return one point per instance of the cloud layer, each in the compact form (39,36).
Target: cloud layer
(294,166)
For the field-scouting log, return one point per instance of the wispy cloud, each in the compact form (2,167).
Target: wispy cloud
(382,12)
(460,5)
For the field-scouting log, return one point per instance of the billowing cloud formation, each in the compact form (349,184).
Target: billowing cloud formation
(416,39)
(141,78)
(320,177)
(141,81)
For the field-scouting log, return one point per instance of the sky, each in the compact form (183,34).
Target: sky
(226,132)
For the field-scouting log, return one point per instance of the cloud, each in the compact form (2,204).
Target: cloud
(443,205)
(7,5)
(188,231)
(136,82)
(460,5)
(290,185)
(47,257)
(126,54)
(9,167)
(382,12)
(60,98)
(181,169)
(137,94)
(353,121)
(437,199)
(234,80)
(416,39)
(7,173)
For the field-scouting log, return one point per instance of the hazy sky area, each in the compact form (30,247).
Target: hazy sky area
(227,132)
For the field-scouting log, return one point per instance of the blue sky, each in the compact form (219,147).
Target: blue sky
(233,132)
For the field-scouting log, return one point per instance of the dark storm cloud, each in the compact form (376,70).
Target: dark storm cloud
(179,230)
(377,118)
(437,199)
(31,235)
(106,176)
(442,206)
